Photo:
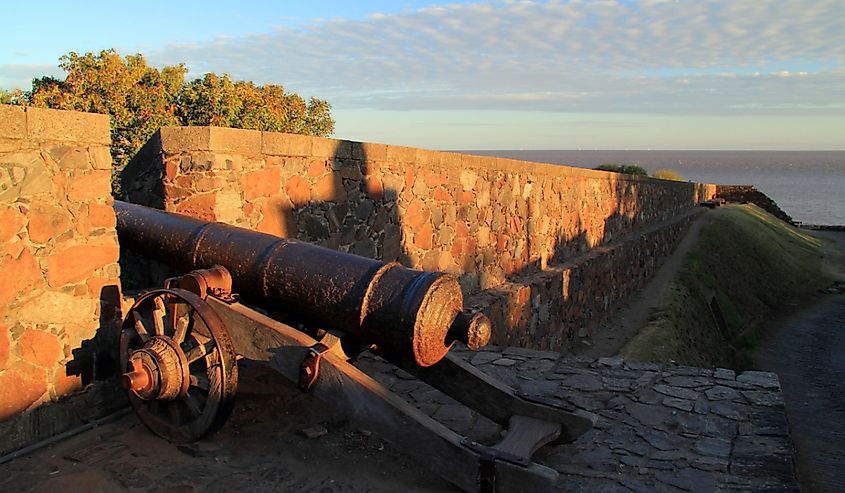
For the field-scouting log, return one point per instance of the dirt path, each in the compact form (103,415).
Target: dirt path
(807,351)
(634,315)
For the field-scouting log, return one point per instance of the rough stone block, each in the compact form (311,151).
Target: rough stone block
(329,189)
(65,384)
(75,158)
(282,144)
(51,307)
(101,215)
(277,218)
(78,262)
(298,190)
(367,151)
(174,140)
(23,174)
(200,206)
(235,140)
(11,222)
(47,221)
(100,157)
(261,183)
(90,186)
(427,158)
(228,206)
(317,167)
(12,122)
(400,154)
(22,273)
(374,187)
(5,346)
(21,385)
(39,348)
(469,161)
(72,126)
(330,148)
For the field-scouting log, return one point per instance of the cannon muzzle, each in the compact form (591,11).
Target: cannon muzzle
(408,314)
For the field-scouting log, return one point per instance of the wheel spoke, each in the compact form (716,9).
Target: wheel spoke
(199,338)
(181,328)
(200,350)
(158,316)
(200,381)
(139,327)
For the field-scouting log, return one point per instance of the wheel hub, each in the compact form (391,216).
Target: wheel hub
(159,370)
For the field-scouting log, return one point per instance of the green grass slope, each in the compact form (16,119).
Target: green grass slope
(747,268)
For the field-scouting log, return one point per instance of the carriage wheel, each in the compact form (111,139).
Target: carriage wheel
(179,364)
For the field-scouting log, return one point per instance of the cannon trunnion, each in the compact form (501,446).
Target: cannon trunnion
(179,345)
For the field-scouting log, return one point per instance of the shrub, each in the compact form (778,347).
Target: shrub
(628,169)
(667,174)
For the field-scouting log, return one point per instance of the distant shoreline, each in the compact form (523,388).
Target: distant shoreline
(822,227)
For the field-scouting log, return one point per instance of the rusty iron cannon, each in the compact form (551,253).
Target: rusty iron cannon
(179,345)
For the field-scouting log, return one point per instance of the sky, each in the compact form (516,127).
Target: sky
(650,74)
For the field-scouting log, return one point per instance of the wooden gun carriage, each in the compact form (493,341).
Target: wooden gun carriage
(180,345)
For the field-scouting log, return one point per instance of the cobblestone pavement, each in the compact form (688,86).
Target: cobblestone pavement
(659,429)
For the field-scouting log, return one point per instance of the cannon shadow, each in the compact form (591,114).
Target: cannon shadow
(359,215)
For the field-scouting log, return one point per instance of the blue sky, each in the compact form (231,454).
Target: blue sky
(651,74)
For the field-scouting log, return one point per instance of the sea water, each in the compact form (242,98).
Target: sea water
(807,185)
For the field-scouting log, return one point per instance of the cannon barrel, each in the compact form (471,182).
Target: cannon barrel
(407,313)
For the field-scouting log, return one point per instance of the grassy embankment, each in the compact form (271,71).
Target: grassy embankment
(754,266)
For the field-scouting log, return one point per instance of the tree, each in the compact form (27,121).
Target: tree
(219,101)
(141,99)
(628,169)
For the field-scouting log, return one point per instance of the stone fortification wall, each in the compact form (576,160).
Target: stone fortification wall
(58,256)
(492,222)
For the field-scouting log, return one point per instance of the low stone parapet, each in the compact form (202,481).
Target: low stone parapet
(550,308)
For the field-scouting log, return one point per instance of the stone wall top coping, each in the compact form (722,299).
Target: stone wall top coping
(42,124)
(255,142)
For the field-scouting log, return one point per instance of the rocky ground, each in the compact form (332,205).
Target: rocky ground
(669,429)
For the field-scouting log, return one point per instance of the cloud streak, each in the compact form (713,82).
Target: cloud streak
(668,57)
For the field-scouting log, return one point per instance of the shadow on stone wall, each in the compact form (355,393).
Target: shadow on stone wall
(550,303)
(356,213)
(96,359)
(92,368)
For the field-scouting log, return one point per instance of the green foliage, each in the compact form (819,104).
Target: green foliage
(667,174)
(218,101)
(141,99)
(753,264)
(628,169)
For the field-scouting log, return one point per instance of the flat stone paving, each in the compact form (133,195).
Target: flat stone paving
(659,429)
